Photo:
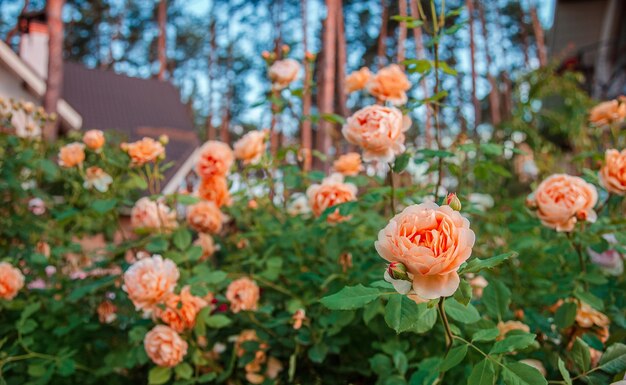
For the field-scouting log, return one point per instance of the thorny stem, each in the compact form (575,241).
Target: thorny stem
(446,325)
(581,258)
(393,190)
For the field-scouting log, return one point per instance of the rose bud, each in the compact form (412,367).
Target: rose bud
(397,270)
(164,139)
(453,201)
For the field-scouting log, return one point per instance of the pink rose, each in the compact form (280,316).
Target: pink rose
(613,173)
(215,159)
(379,131)
(563,199)
(432,242)
(283,72)
(155,215)
(243,294)
(149,281)
(164,346)
(11,281)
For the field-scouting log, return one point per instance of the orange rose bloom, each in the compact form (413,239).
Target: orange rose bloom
(379,131)
(206,242)
(107,312)
(144,151)
(357,80)
(298,318)
(432,242)
(94,139)
(283,72)
(348,164)
(563,199)
(11,281)
(612,111)
(149,281)
(251,147)
(613,173)
(164,346)
(215,189)
(389,85)
(216,158)
(72,154)
(148,214)
(331,192)
(588,317)
(243,294)
(205,217)
(180,310)
(505,327)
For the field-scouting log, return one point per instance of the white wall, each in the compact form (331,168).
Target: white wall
(12,87)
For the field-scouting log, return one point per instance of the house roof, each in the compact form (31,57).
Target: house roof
(133,106)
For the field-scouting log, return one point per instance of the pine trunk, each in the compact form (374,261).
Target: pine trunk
(420,53)
(162,21)
(475,102)
(54,81)
(494,94)
(401,33)
(305,129)
(539,37)
(381,54)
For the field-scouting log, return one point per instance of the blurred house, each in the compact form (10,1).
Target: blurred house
(590,36)
(102,99)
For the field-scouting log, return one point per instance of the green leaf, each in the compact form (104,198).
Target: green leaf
(181,238)
(516,373)
(454,357)
(464,293)
(318,352)
(485,335)
(418,65)
(334,118)
(482,374)
(184,371)
(464,314)
(400,362)
(564,372)
(217,321)
(512,342)
(402,314)
(590,299)
(476,264)
(496,298)
(351,297)
(565,315)
(82,291)
(581,356)
(102,205)
(401,162)
(613,361)
(159,375)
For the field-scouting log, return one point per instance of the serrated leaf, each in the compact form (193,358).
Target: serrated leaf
(486,335)
(476,264)
(581,356)
(351,297)
(512,342)
(496,297)
(516,373)
(458,312)
(159,375)
(482,374)
(217,321)
(564,372)
(613,361)
(454,357)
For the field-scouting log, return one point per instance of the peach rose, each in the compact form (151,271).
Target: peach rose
(107,312)
(611,111)
(72,154)
(389,85)
(588,317)
(613,173)
(216,158)
(506,327)
(180,310)
(357,80)
(283,72)
(251,147)
(432,242)
(563,199)
(11,281)
(149,281)
(478,284)
(144,151)
(298,318)
(205,217)
(348,164)
(94,139)
(97,178)
(243,294)
(164,346)
(331,192)
(245,336)
(206,242)
(149,214)
(378,130)
(215,189)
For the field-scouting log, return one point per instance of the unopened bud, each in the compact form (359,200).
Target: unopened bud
(397,270)
(309,56)
(265,55)
(164,139)
(453,201)
(285,49)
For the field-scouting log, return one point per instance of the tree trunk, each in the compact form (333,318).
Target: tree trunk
(327,85)
(421,54)
(305,129)
(381,54)
(210,133)
(162,22)
(539,37)
(54,82)
(274,135)
(494,94)
(401,33)
(227,114)
(475,102)
(524,32)
(341,62)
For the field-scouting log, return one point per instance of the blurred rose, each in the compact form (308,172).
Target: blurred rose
(612,111)
(43,248)
(357,80)
(611,260)
(432,242)
(107,312)
(283,72)
(96,177)
(252,204)
(11,281)
(215,159)
(215,189)
(149,280)
(478,283)
(524,164)
(613,173)
(331,192)
(94,139)
(389,85)
(506,327)
(298,318)
(148,214)
(180,310)
(243,294)
(299,205)
(164,346)
(144,151)
(251,147)
(348,164)
(37,206)
(562,199)
(24,124)
(72,154)
(206,242)
(379,131)
(205,217)
(481,202)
